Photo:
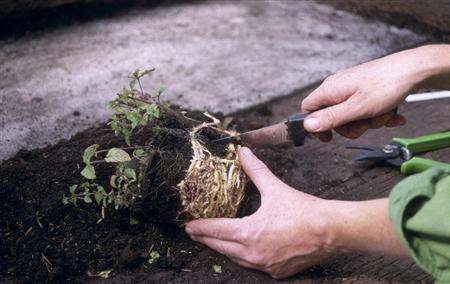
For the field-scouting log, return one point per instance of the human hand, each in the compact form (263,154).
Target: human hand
(363,97)
(287,233)
(292,231)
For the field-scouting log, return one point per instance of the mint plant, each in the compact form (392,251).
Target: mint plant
(133,110)
(176,171)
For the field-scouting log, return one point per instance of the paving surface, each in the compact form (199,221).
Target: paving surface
(220,56)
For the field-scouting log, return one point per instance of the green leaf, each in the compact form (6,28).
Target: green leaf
(145,72)
(87,199)
(145,119)
(88,172)
(152,110)
(116,155)
(72,188)
(134,221)
(130,173)
(110,104)
(99,194)
(217,268)
(89,152)
(112,181)
(85,185)
(134,118)
(98,197)
(159,92)
(65,200)
(139,153)
(127,135)
(125,93)
(132,85)
(116,127)
(154,256)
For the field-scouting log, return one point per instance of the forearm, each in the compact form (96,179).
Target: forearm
(363,226)
(434,66)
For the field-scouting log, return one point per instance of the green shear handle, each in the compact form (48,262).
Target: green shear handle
(421,145)
(417,165)
(426,143)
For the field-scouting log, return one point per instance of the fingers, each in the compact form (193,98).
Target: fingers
(243,263)
(316,100)
(218,228)
(329,118)
(257,171)
(227,248)
(355,129)
(331,92)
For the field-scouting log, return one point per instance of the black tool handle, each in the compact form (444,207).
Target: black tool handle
(296,131)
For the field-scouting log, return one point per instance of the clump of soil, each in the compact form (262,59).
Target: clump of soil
(174,170)
(191,175)
(41,239)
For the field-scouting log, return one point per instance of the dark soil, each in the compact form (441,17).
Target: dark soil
(169,166)
(42,240)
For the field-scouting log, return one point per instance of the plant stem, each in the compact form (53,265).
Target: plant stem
(140,86)
(97,162)
(140,100)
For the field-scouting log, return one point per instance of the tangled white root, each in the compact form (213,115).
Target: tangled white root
(213,186)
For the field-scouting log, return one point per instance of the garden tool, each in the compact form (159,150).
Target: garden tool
(401,152)
(289,132)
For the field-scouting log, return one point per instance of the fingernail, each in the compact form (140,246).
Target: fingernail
(188,230)
(244,151)
(312,124)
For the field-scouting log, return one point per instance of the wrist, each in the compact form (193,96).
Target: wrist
(433,66)
(360,226)
(330,228)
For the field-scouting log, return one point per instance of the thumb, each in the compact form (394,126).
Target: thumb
(331,117)
(257,171)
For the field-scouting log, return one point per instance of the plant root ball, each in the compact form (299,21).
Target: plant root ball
(191,176)
(214,186)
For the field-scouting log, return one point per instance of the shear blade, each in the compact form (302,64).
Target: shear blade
(371,156)
(374,154)
(361,147)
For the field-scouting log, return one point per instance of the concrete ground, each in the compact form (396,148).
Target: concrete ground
(217,56)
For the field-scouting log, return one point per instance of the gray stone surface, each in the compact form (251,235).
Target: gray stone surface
(217,56)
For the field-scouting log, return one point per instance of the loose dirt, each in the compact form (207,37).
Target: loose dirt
(43,240)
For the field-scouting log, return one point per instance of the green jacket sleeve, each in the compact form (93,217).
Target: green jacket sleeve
(419,207)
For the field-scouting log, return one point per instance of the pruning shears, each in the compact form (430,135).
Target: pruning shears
(401,152)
